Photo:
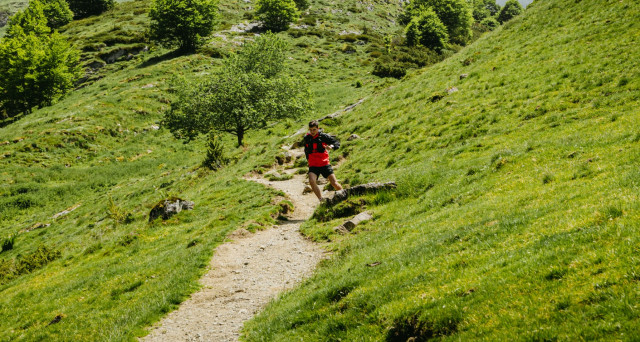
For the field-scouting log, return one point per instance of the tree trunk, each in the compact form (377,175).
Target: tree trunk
(240,135)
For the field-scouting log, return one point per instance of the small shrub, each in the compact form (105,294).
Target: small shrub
(547,178)
(7,243)
(215,157)
(389,70)
(490,23)
(358,84)
(119,214)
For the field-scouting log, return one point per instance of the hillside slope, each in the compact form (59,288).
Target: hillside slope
(516,214)
(80,177)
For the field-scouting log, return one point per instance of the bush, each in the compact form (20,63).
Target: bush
(182,22)
(427,30)
(302,5)
(215,157)
(511,9)
(86,8)
(7,243)
(389,70)
(490,23)
(276,15)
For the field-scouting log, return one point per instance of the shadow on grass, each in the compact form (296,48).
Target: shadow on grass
(165,57)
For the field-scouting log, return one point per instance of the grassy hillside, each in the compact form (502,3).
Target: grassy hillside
(101,271)
(516,213)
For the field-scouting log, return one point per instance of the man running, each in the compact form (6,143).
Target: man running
(316,149)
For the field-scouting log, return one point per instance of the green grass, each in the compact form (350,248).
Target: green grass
(516,213)
(102,271)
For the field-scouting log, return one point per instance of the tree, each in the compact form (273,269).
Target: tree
(182,22)
(57,12)
(511,9)
(86,8)
(427,30)
(248,92)
(276,15)
(484,9)
(35,70)
(456,15)
(29,20)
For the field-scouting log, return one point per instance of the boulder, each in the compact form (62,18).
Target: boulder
(353,137)
(169,207)
(463,76)
(352,223)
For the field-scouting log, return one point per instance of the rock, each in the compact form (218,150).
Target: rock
(307,189)
(65,212)
(452,90)
(353,137)
(361,189)
(463,76)
(284,157)
(362,217)
(169,207)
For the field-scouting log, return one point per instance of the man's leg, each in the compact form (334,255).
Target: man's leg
(313,178)
(334,182)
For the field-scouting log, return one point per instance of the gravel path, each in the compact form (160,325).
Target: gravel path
(245,273)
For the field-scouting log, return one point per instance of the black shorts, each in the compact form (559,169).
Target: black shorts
(325,171)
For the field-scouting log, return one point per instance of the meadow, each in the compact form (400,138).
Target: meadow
(515,216)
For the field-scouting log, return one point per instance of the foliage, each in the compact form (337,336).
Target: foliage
(30,20)
(511,9)
(7,243)
(484,9)
(215,157)
(86,8)
(276,15)
(57,12)
(426,29)
(248,92)
(391,69)
(27,263)
(302,5)
(35,68)
(182,22)
(456,15)
(490,23)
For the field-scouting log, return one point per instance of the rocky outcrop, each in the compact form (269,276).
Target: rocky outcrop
(169,207)
(359,190)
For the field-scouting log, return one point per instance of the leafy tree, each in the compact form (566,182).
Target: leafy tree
(484,9)
(182,22)
(426,29)
(456,15)
(276,15)
(511,9)
(248,92)
(35,70)
(86,8)
(57,12)
(36,67)
(29,20)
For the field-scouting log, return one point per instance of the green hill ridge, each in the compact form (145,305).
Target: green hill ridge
(515,215)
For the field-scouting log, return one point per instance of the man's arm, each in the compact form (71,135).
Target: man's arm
(329,140)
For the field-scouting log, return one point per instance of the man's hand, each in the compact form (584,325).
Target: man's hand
(329,147)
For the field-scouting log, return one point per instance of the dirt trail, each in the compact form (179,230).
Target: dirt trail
(245,273)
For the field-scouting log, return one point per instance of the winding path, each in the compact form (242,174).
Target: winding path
(245,273)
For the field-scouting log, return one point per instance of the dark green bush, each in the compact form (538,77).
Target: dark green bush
(276,15)
(7,243)
(511,9)
(426,29)
(87,8)
(389,70)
